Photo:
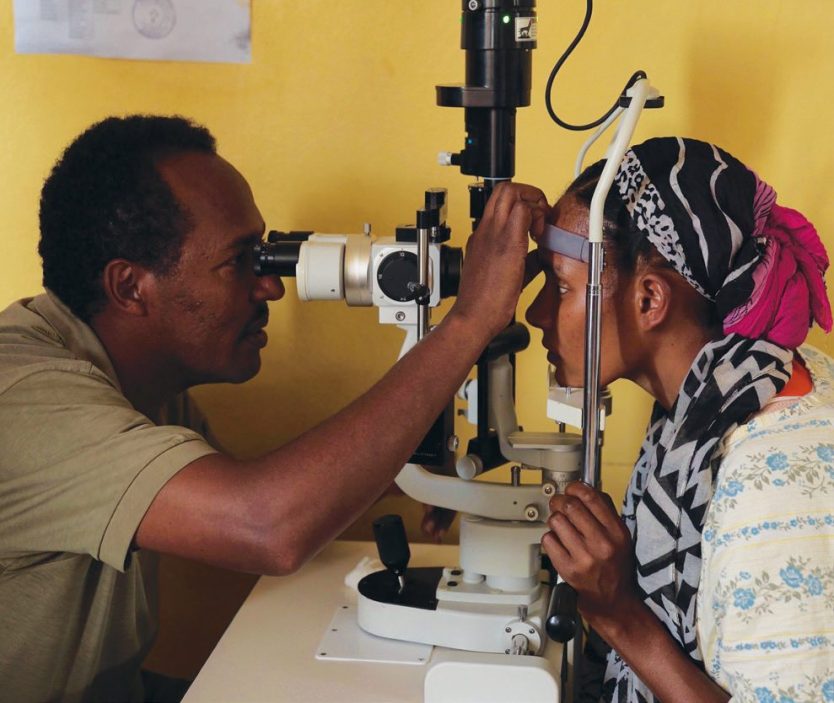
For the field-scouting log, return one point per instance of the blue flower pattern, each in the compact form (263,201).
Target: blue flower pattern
(744,598)
(778,461)
(813,585)
(791,576)
(784,472)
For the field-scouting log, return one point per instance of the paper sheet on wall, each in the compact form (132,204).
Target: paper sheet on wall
(172,30)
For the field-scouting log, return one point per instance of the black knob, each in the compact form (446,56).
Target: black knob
(392,543)
(396,271)
(436,199)
(562,618)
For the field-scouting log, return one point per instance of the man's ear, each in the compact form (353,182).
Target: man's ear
(652,299)
(126,285)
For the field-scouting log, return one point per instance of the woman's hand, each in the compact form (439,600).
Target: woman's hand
(590,548)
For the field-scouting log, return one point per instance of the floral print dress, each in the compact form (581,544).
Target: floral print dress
(765,602)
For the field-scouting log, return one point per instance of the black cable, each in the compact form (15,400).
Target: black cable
(549,88)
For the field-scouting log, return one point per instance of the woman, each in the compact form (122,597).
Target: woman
(718,580)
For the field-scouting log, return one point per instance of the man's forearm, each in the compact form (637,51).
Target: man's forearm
(312,488)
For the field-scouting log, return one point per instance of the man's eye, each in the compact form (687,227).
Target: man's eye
(239,260)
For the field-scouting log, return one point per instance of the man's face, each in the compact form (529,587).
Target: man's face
(212,308)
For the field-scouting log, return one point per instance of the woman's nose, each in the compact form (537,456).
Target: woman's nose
(537,314)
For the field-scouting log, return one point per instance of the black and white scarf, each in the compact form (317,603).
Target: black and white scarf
(670,489)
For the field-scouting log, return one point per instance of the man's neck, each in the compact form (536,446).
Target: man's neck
(145,377)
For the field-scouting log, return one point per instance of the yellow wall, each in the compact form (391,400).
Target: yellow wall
(334,124)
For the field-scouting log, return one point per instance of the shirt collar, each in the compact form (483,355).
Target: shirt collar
(76,335)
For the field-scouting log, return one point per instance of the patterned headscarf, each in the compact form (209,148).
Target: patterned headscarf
(762,265)
(718,224)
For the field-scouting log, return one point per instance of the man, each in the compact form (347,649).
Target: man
(146,240)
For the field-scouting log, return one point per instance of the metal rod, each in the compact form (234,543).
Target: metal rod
(591,400)
(423,276)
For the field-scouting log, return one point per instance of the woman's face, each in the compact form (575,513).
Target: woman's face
(559,308)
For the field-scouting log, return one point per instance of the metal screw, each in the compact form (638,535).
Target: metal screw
(506,651)
(531,512)
(474,5)
(400,316)
(532,631)
(548,489)
(508,629)
(453,443)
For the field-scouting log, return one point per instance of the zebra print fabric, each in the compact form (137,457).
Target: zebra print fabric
(699,206)
(671,486)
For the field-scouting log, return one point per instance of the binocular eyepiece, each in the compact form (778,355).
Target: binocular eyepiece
(364,270)
(279,254)
(356,268)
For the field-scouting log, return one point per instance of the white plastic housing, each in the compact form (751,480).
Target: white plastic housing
(320,269)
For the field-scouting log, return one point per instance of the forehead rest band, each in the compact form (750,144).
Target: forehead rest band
(560,241)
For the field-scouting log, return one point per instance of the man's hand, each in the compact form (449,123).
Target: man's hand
(590,548)
(436,522)
(496,267)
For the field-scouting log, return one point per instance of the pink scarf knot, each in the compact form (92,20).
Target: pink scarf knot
(789,289)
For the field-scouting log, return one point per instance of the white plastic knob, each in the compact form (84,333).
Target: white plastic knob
(469,466)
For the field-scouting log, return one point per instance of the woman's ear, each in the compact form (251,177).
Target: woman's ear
(125,286)
(652,300)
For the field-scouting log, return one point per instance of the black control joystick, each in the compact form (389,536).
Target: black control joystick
(562,620)
(392,544)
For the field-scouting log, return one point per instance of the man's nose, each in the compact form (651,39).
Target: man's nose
(269,287)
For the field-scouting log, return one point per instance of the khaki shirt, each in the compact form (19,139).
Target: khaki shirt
(79,466)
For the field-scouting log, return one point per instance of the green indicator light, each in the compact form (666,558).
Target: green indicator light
(506,19)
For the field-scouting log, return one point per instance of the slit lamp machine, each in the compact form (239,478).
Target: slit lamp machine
(496,626)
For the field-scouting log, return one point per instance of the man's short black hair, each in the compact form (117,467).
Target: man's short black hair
(105,200)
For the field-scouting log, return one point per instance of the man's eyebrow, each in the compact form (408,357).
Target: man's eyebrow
(245,240)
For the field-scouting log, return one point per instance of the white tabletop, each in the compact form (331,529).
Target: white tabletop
(268,651)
